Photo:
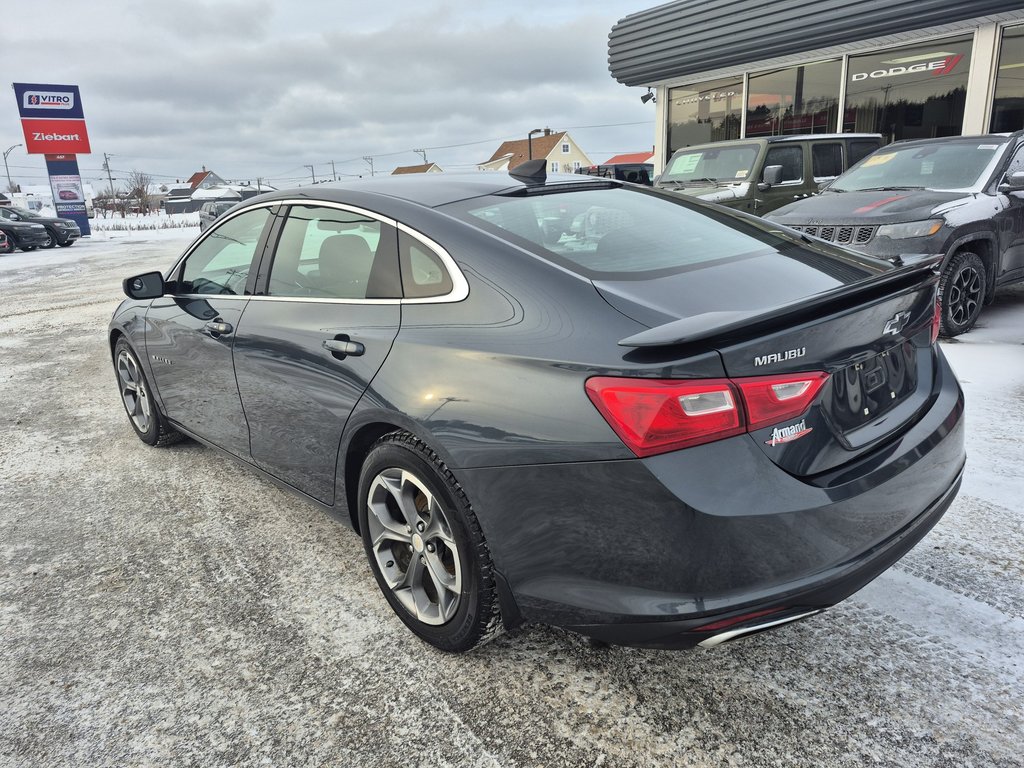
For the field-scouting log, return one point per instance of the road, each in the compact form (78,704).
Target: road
(163,607)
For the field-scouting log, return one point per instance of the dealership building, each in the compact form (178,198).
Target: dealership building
(908,69)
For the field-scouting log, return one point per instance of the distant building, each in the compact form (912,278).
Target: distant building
(424,168)
(563,155)
(630,158)
(205,186)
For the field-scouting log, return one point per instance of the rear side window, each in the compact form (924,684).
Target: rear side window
(622,233)
(826,160)
(861,149)
(326,253)
(790,158)
(423,274)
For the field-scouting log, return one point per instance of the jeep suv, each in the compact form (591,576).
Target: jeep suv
(760,175)
(960,196)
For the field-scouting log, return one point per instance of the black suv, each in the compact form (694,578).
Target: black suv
(961,196)
(55,231)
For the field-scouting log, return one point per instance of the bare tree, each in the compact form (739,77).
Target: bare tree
(138,188)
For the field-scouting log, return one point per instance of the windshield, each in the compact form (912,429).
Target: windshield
(20,211)
(954,165)
(733,163)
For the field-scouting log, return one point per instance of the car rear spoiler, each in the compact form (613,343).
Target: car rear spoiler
(909,271)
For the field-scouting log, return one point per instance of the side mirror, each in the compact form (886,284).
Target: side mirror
(146,286)
(772,175)
(1014,182)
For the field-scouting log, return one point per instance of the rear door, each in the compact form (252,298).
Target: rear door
(318,330)
(190,331)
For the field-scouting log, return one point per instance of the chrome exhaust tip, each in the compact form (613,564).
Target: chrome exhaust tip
(751,629)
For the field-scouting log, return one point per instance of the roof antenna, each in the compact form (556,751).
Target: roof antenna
(531,172)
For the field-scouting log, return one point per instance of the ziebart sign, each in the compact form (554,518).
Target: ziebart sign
(54,125)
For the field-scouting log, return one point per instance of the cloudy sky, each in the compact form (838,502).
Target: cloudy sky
(256,88)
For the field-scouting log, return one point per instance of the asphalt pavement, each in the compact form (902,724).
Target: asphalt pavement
(165,607)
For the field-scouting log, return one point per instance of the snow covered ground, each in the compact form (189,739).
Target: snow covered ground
(162,607)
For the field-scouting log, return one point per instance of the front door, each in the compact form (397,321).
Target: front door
(314,337)
(190,332)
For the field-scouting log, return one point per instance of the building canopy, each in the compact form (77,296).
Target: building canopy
(684,38)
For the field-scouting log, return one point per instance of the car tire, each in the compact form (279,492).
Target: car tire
(962,293)
(51,240)
(143,413)
(9,248)
(425,546)
(27,248)
(66,243)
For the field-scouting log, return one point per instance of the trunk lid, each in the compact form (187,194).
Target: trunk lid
(872,336)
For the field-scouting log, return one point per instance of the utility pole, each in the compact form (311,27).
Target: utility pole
(106,167)
(10,184)
(258,180)
(311,173)
(334,173)
(422,153)
(369,160)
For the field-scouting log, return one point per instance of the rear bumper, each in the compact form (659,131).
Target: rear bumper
(644,552)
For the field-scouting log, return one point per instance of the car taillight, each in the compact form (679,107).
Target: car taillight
(657,415)
(771,399)
(936,318)
(654,416)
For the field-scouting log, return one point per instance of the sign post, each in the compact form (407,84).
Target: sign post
(54,125)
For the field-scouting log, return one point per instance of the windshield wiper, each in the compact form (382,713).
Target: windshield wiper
(880,189)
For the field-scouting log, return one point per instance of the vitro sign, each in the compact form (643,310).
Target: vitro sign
(58,100)
(939,67)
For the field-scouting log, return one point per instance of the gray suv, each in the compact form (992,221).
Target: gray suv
(210,211)
(760,175)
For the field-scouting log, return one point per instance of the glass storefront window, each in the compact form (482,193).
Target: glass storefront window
(1008,103)
(704,112)
(916,92)
(796,100)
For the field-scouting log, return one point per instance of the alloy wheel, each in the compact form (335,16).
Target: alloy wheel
(964,295)
(134,392)
(412,542)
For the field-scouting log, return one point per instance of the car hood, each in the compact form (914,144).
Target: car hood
(869,207)
(713,193)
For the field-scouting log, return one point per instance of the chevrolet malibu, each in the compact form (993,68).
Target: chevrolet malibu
(646,419)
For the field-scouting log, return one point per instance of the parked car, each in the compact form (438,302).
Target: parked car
(21,232)
(635,173)
(676,426)
(6,246)
(962,197)
(57,231)
(210,211)
(760,175)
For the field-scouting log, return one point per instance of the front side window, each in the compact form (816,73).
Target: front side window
(328,253)
(220,263)
(959,164)
(790,158)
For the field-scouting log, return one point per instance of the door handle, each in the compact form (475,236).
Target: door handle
(219,327)
(343,347)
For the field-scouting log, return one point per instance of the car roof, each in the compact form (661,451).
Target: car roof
(1001,138)
(430,189)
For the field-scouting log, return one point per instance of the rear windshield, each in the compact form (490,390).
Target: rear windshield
(951,166)
(627,233)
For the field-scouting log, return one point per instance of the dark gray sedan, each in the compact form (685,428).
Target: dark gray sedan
(567,400)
